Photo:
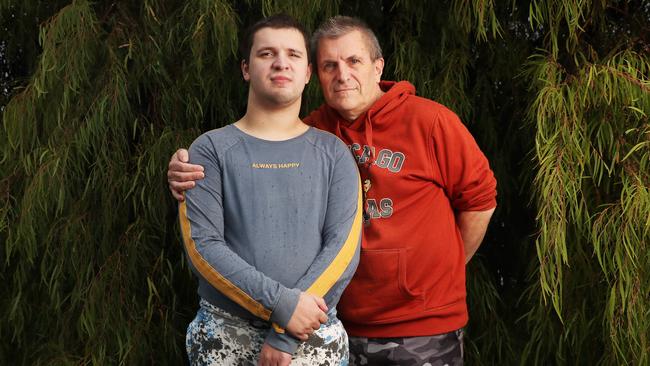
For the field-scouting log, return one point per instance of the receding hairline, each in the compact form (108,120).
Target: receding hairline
(340,26)
(366,40)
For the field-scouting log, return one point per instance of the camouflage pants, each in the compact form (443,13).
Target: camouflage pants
(439,350)
(216,337)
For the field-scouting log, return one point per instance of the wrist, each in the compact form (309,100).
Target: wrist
(285,306)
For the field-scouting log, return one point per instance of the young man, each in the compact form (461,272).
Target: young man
(273,230)
(429,195)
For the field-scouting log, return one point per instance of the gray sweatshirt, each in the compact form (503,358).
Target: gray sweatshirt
(269,220)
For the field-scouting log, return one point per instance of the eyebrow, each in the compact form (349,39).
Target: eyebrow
(346,59)
(271,48)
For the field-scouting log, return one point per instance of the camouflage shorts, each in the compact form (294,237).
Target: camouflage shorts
(216,337)
(439,350)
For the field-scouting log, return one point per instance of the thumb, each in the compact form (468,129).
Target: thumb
(182,155)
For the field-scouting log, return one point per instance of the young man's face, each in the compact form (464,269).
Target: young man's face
(277,67)
(348,75)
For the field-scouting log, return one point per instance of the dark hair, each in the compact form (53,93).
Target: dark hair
(278,21)
(339,26)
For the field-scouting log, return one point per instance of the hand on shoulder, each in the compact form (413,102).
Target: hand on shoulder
(182,175)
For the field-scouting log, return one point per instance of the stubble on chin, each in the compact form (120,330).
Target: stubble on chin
(283,98)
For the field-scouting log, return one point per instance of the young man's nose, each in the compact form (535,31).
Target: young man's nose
(281,61)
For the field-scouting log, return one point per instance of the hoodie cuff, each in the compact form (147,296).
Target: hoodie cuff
(285,307)
(282,342)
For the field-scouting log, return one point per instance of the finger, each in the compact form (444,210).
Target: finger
(175,175)
(176,165)
(177,195)
(181,186)
(263,361)
(315,326)
(177,189)
(323,318)
(303,336)
(182,155)
(321,303)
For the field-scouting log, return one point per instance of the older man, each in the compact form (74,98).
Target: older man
(429,196)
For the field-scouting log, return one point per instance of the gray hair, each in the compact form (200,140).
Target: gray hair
(339,26)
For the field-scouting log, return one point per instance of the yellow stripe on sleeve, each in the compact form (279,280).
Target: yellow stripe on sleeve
(334,271)
(213,276)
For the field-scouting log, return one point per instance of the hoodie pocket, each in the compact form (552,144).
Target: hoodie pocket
(379,289)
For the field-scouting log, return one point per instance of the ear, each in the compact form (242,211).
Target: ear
(244,70)
(379,68)
(308,74)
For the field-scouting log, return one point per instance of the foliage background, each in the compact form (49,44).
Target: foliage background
(97,95)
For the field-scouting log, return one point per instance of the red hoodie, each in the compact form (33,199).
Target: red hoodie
(420,166)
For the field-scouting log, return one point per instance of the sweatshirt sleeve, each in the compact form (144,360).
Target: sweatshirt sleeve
(459,166)
(202,227)
(333,267)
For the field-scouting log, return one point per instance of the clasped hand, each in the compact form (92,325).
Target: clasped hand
(310,313)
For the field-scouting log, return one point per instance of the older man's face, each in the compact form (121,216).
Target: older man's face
(348,75)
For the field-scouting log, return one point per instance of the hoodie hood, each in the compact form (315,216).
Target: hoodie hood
(395,93)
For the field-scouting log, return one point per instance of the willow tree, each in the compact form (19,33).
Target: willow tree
(556,93)
(590,108)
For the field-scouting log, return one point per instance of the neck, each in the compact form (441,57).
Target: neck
(272,122)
